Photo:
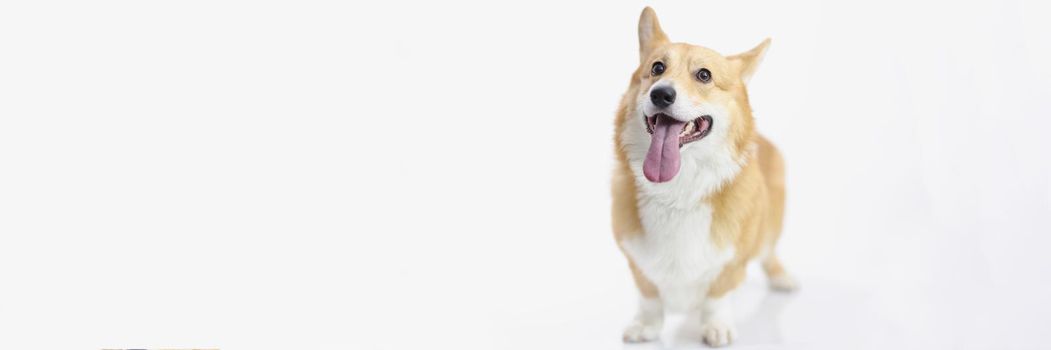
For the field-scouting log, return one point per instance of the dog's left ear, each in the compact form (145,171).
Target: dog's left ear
(747,62)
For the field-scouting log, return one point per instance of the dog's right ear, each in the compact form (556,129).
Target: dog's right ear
(651,36)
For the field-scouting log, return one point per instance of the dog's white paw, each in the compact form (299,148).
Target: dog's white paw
(784,283)
(718,333)
(639,332)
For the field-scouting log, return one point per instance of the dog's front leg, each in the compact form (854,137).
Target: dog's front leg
(717,322)
(648,321)
(717,319)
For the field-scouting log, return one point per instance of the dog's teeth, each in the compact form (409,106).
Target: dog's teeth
(687,129)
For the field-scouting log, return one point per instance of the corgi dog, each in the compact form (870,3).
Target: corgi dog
(697,192)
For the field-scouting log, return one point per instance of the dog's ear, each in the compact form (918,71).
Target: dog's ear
(650,34)
(747,62)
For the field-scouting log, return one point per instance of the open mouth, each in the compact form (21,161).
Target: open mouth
(693,130)
(667,136)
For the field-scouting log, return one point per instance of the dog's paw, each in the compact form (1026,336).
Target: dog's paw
(639,332)
(718,333)
(784,283)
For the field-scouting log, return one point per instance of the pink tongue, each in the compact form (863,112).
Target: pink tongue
(662,161)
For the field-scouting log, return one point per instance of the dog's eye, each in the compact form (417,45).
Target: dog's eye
(704,75)
(658,68)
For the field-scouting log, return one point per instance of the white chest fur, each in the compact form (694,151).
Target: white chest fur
(676,251)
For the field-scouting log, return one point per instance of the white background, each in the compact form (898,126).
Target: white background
(434,174)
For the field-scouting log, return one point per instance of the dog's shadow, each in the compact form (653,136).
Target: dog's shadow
(762,326)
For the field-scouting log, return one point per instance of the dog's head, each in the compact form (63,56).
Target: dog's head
(687,95)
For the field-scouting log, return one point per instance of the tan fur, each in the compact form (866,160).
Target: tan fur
(747,210)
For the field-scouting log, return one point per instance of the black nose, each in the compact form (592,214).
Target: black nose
(663,96)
